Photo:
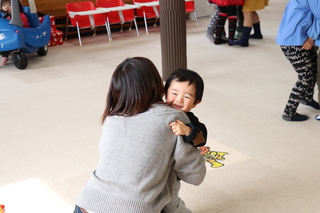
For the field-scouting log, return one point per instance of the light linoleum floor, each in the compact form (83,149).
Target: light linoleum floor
(50,123)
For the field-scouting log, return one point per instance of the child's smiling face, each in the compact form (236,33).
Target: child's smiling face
(181,95)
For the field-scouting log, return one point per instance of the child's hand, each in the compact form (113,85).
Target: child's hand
(179,128)
(308,44)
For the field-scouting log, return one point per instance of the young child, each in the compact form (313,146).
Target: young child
(6,6)
(297,44)
(183,91)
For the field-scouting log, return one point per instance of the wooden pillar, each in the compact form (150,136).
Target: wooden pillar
(173,36)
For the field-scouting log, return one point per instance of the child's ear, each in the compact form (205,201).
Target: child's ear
(196,103)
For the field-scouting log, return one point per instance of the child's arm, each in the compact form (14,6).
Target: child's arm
(194,132)
(179,128)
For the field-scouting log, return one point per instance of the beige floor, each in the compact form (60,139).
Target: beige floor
(49,123)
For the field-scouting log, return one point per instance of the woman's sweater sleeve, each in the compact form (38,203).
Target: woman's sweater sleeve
(189,163)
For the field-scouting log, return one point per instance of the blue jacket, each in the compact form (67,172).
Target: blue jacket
(300,21)
(314,31)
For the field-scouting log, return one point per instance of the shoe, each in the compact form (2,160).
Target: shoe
(296,117)
(219,41)
(312,103)
(257,31)
(244,41)
(317,117)
(256,36)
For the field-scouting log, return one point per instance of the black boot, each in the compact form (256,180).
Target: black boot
(232,28)
(257,31)
(244,41)
(220,29)
(311,103)
(295,117)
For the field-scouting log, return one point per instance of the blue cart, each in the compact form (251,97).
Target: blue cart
(21,41)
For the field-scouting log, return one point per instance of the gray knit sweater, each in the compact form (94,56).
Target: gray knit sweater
(140,162)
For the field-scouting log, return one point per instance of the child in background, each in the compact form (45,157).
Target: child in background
(183,91)
(6,6)
(297,44)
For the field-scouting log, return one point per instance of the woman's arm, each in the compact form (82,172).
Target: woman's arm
(189,163)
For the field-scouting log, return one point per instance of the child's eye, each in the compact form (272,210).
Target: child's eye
(187,97)
(174,93)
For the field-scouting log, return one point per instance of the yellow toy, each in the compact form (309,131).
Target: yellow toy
(212,156)
(2,210)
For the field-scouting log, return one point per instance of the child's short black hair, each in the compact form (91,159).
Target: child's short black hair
(183,75)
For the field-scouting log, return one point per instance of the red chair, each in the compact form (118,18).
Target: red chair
(83,21)
(190,8)
(148,12)
(118,17)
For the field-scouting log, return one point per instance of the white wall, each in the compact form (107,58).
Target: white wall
(203,8)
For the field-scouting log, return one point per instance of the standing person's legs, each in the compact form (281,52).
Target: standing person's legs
(232,20)
(248,18)
(222,17)
(318,74)
(255,17)
(308,98)
(246,30)
(318,79)
(212,24)
(256,26)
(240,22)
(301,61)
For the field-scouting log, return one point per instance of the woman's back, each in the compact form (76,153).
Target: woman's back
(140,161)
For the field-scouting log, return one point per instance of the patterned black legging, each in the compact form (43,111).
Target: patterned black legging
(304,63)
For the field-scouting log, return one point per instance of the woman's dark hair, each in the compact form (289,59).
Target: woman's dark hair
(135,85)
(183,75)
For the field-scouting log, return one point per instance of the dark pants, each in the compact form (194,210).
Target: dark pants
(304,63)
